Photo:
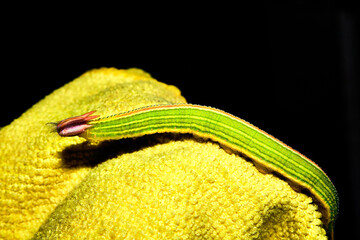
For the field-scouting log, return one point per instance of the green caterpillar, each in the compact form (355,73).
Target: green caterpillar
(219,126)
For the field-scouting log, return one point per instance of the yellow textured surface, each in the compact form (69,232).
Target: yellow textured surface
(159,186)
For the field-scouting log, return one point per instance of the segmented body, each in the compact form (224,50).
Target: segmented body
(229,131)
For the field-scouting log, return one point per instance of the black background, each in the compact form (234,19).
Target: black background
(291,69)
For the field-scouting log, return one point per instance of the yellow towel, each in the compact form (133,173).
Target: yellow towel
(162,186)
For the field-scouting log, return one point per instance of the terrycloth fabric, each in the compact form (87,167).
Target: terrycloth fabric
(161,186)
